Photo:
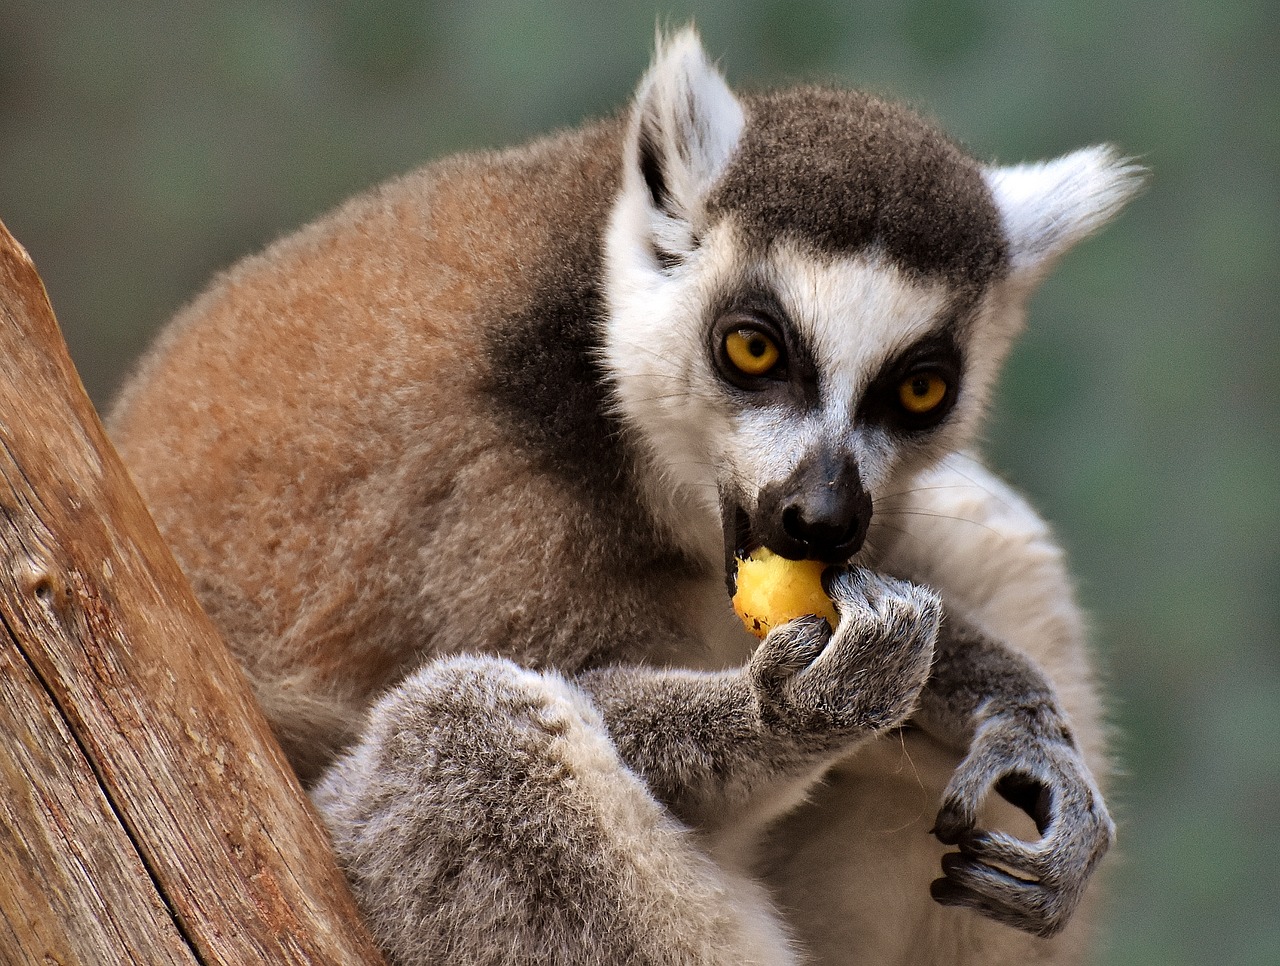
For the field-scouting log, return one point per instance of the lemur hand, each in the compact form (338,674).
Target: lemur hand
(712,745)
(1030,758)
(863,677)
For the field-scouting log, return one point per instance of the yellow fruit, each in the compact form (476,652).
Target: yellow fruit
(773,590)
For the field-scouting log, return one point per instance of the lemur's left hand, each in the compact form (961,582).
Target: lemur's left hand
(1030,758)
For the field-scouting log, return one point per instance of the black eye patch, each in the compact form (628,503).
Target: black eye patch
(746,328)
(916,390)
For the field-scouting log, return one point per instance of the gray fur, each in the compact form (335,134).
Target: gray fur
(707,746)
(871,175)
(484,818)
(468,810)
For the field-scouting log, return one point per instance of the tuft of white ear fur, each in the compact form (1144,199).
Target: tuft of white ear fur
(1049,207)
(685,126)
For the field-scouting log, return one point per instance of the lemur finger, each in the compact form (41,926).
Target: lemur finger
(787,650)
(948,893)
(876,597)
(849,589)
(1059,865)
(999,848)
(1024,903)
(993,885)
(855,590)
(910,605)
(888,626)
(954,820)
(964,795)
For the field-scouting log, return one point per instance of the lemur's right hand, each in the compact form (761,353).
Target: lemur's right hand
(709,744)
(863,677)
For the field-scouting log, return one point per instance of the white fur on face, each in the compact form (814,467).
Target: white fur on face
(687,114)
(857,314)
(663,387)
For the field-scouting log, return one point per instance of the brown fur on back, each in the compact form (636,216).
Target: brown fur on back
(312,438)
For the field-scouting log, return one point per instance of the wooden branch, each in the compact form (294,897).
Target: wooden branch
(146,813)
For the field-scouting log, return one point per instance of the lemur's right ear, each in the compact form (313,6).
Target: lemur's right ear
(684,127)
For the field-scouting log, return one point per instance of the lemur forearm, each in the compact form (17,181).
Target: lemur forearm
(976,678)
(696,738)
(709,744)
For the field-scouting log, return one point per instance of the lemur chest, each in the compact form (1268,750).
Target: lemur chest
(718,639)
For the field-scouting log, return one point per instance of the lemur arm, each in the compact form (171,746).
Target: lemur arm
(716,748)
(992,704)
(1011,690)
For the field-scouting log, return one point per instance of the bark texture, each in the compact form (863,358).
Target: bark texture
(146,812)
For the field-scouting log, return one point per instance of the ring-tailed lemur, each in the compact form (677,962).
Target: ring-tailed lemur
(487,439)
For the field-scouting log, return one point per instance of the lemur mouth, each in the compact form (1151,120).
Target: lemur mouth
(741,540)
(738,541)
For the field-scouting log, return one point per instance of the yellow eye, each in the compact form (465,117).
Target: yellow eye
(922,392)
(751,352)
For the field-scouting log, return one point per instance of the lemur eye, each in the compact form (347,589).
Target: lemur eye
(916,391)
(922,392)
(751,352)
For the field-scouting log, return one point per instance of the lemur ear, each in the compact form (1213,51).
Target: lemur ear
(685,125)
(1048,207)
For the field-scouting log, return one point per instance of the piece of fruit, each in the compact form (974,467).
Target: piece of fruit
(772,590)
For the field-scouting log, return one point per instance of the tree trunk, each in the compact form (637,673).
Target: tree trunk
(146,813)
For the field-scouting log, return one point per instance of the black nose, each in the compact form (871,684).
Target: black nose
(821,511)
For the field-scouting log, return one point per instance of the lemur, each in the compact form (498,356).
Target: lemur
(461,471)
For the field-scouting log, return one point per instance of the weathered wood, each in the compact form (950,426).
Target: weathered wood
(70,879)
(146,814)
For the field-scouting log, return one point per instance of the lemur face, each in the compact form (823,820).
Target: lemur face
(797,389)
(810,294)
(836,378)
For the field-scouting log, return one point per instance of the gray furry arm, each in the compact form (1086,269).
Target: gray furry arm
(708,745)
(976,679)
(994,706)
(692,737)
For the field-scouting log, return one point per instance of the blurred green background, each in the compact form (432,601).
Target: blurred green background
(145,144)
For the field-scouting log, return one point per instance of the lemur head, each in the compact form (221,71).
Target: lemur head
(810,294)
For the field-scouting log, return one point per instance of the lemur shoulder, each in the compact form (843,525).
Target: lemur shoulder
(461,469)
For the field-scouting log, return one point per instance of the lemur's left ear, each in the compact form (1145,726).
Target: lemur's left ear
(1048,207)
(685,125)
